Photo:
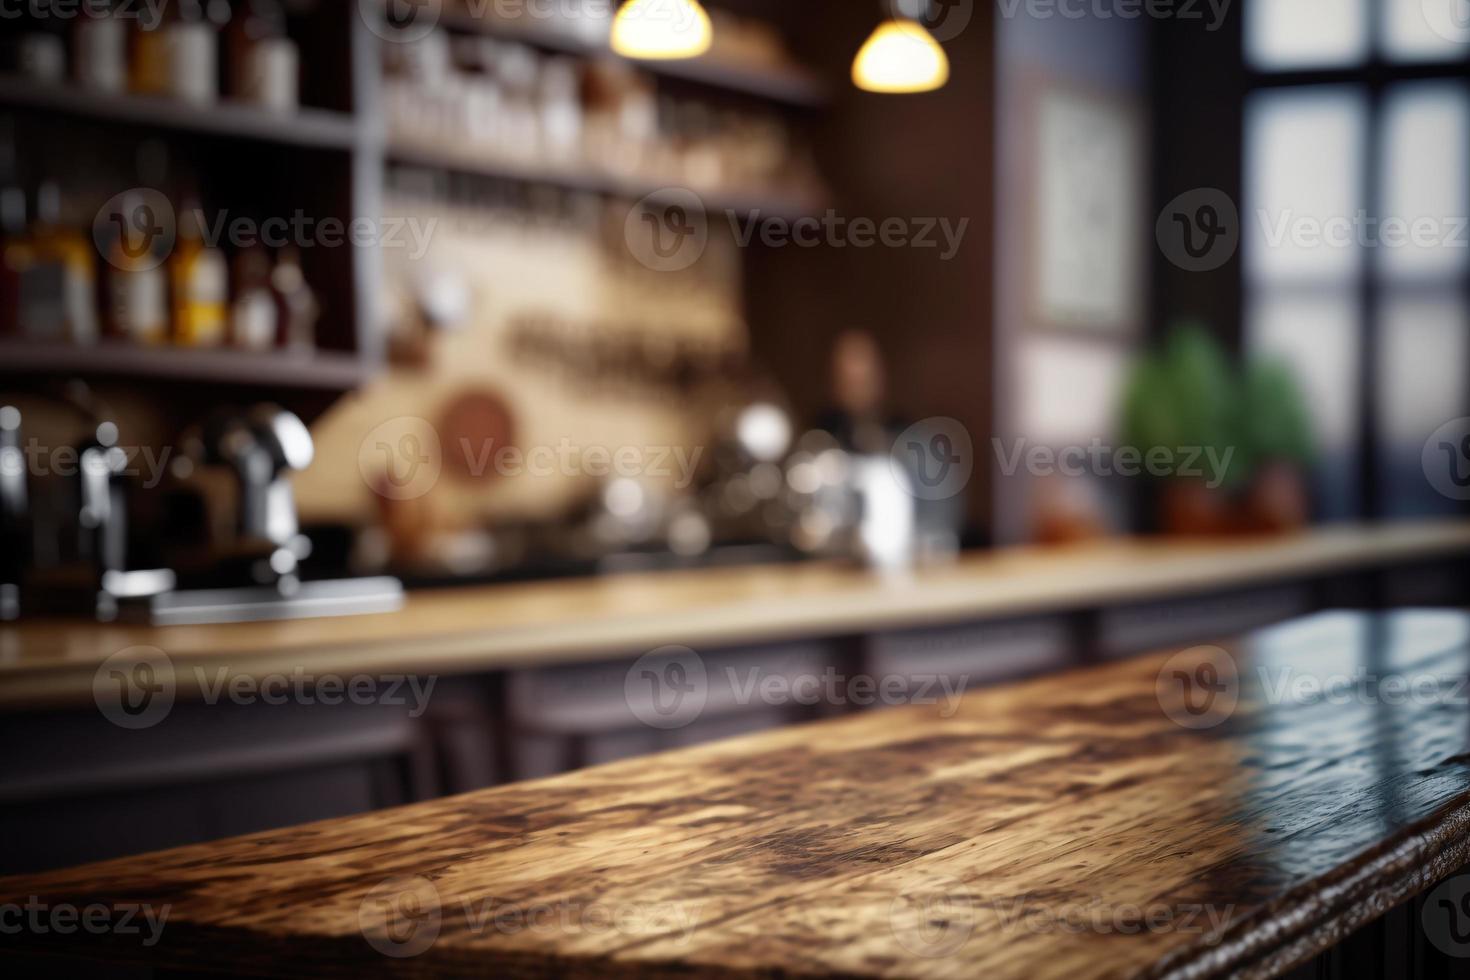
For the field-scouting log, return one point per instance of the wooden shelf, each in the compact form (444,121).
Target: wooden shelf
(405,153)
(303,128)
(791,85)
(321,371)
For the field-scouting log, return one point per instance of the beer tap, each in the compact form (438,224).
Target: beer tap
(263,448)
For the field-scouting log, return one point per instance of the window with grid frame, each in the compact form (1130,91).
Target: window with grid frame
(1356,184)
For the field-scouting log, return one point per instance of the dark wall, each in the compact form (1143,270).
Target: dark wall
(1198,86)
(925,156)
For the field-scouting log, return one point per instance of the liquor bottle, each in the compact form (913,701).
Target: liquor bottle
(14,251)
(148,57)
(39,56)
(55,239)
(192,39)
(15,259)
(560,107)
(254,322)
(296,304)
(136,290)
(100,49)
(199,283)
(261,60)
(32,287)
(177,53)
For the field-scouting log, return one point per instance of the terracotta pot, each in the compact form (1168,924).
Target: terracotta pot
(1276,500)
(1189,507)
(1066,510)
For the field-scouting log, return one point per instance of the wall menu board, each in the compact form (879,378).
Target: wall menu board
(1088,231)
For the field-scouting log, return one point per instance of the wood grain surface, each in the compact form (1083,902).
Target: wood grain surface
(45,664)
(1217,811)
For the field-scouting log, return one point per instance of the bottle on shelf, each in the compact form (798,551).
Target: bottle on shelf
(39,55)
(199,282)
(560,107)
(139,232)
(14,252)
(100,49)
(136,288)
(56,239)
(254,321)
(179,54)
(262,62)
(148,57)
(296,304)
(15,261)
(32,286)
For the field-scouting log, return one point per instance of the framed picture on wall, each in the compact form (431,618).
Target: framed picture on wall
(1087,211)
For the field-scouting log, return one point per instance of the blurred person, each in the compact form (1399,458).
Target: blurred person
(858,418)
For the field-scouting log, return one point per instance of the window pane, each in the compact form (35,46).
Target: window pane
(1316,333)
(1422,378)
(1305,33)
(1303,180)
(1425,30)
(1424,181)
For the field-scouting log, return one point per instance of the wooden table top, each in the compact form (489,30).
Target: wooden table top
(1101,822)
(45,663)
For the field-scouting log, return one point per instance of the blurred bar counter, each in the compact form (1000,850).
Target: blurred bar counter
(462,631)
(139,738)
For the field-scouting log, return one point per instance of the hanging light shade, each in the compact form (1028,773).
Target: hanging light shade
(661,29)
(901,56)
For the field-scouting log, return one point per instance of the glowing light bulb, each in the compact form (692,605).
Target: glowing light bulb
(661,29)
(901,56)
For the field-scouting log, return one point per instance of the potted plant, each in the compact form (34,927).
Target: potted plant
(1252,427)
(1180,404)
(1276,436)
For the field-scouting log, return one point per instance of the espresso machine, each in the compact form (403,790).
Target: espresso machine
(71,556)
(63,551)
(257,573)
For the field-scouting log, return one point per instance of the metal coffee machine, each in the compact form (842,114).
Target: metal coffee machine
(256,574)
(65,529)
(64,550)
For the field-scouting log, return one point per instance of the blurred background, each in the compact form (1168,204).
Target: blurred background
(307,306)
